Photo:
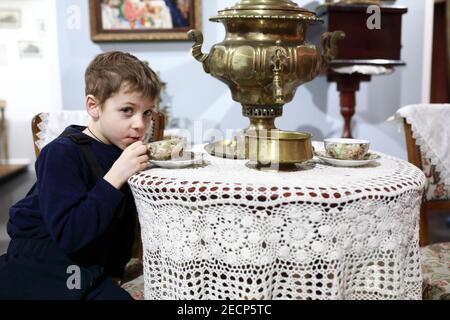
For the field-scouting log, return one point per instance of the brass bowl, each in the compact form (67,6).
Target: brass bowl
(278,147)
(230,148)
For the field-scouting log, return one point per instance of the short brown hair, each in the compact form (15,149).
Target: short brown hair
(109,71)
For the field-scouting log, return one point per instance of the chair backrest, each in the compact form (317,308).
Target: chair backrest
(419,159)
(414,157)
(46,126)
(412,148)
(422,160)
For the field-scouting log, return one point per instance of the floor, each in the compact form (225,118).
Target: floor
(15,188)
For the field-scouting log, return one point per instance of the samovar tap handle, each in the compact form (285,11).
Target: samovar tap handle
(329,45)
(196,51)
(278,61)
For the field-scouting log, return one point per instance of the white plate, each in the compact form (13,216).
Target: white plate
(370,157)
(188,159)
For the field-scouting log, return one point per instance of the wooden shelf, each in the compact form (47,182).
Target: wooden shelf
(9,170)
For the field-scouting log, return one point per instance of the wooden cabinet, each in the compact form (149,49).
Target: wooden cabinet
(361,46)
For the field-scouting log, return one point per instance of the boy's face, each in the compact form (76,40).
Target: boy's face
(125,118)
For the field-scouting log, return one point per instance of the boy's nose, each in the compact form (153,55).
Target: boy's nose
(138,123)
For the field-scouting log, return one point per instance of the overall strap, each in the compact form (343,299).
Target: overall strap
(84,142)
(97,171)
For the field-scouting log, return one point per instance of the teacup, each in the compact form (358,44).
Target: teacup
(167,149)
(346,149)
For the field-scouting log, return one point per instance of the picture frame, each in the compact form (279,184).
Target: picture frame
(143,20)
(3,55)
(30,49)
(10,18)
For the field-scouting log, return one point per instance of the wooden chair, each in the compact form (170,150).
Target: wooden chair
(435,258)
(417,158)
(39,124)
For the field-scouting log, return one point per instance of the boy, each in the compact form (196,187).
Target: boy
(74,231)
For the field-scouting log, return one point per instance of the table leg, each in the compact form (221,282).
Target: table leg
(347,85)
(347,101)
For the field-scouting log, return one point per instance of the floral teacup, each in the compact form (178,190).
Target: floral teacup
(166,149)
(346,149)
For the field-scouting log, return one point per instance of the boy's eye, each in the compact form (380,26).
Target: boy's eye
(127,110)
(148,113)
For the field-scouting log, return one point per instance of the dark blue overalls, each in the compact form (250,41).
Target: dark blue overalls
(39,269)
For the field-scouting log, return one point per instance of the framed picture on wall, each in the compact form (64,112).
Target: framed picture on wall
(30,49)
(143,20)
(3,55)
(10,18)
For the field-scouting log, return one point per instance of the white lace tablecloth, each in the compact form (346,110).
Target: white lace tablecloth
(226,231)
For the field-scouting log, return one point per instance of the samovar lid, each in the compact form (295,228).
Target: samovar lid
(266,9)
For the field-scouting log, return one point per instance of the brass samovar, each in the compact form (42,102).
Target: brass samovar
(263,59)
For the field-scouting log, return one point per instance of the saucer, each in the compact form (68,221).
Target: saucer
(368,158)
(188,159)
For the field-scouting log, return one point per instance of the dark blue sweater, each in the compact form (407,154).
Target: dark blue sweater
(71,209)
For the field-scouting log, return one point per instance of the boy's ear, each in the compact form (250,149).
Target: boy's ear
(92,106)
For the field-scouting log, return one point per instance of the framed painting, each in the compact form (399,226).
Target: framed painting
(10,18)
(143,20)
(30,49)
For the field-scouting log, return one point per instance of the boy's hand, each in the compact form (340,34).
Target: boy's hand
(133,159)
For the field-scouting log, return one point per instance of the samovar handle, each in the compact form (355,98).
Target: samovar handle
(329,45)
(279,61)
(196,51)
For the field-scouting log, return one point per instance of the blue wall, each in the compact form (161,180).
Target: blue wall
(195,95)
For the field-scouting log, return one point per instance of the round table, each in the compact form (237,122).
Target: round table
(223,230)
